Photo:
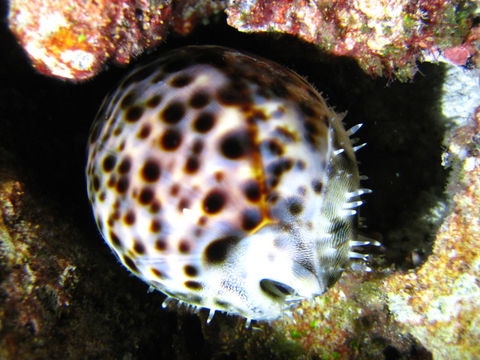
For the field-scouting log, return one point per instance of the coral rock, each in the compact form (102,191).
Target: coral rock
(71,39)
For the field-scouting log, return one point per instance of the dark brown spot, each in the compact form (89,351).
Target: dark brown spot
(171,139)
(115,239)
(155,206)
(173,113)
(307,109)
(199,100)
(311,127)
(96,183)
(154,101)
(192,165)
(274,147)
(214,201)
(122,185)
(278,167)
(184,246)
(134,113)
(102,196)
(145,131)
(174,190)
(198,232)
(181,81)
(190,270)
(109,163)
(129,218)
(110,221)
(317,186)
(204,122)
(183,204)
(251,218)
(128,100)
(219,176)
(161,244)
(150,171)
(295,208)
(158,273)
(130,263)
(138,247)
(235,93)
(252,190)
(218,250)
(146,196)
(197,146)
(193,285)
(117,130)
(124,166)
(202,220)
(156,226)
(236,145)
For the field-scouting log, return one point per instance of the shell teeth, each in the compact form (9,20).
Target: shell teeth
(358,147)
(338,152)
(354,129)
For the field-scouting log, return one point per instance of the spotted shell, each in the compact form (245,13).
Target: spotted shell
(224,181)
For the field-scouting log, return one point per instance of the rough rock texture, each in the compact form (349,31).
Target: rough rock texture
(64,295)
(71,39)
(439,303)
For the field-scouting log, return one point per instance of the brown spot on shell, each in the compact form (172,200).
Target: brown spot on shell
(130,263)
(173,113)
(134,113)
(214,201)
(236,144)
(138,247)
(199,100)
(170,140)
(129,218)
(193,285)
(151,170)
(217,251)
(161,244)
(190,270)
(184,246)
